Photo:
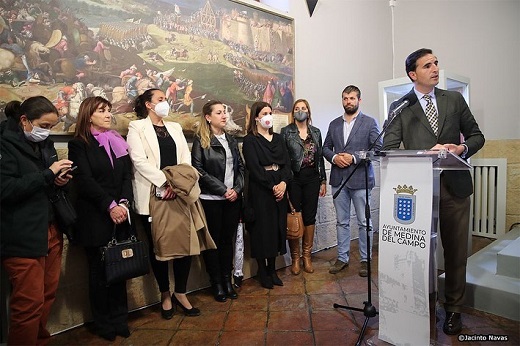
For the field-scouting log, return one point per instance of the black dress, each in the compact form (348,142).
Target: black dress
(268,230)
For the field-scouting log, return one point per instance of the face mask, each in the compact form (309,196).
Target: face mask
(301,116)
(37,134)
(162,109)
(267,121)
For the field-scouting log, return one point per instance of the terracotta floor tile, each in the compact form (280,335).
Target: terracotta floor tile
(335,337)
(294,287)
(288,302)
(238,338)
(250,303)
(289,338)
(194,337)
(322,287)
(333,320)
(206,302)
(152,337)
(208,320)
(325,301)
(289,320)
(246,321)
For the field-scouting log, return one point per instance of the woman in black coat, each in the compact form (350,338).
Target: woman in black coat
(269,170)
(216,156)
(30,243)
(104,185)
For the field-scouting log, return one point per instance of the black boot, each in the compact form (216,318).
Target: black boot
(228,287)
(265,280)
(218,292)
(272,272)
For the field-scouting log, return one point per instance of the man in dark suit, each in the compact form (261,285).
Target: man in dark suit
(351,132)
(441,119)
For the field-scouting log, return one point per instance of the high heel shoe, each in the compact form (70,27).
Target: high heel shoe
(168,314)
(188,312)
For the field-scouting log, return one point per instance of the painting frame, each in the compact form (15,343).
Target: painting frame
(229,50)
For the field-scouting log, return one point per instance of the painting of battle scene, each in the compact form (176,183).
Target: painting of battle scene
(194,50)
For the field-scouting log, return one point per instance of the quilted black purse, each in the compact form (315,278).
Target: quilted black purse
(125,259)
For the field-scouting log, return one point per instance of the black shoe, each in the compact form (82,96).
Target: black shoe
(228,288)
(276,280)
(265,280)
(167,314)
(452,323)
(188,312)
(218,293)
(123,331)
(110,336)
(237,281)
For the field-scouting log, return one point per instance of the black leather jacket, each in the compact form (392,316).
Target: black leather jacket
(294,145)
(211,164)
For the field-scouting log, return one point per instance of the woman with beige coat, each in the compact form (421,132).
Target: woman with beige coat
(156,144)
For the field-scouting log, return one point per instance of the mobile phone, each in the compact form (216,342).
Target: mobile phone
(73,169)
(68,171)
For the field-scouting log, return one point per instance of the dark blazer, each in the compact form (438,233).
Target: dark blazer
(295,148)
(363,134)
(98,184)
(211,164)
(412,128)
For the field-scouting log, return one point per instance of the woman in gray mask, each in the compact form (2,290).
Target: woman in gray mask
(305,149)
(30,244)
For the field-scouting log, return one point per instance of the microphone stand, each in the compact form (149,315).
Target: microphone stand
(368,310)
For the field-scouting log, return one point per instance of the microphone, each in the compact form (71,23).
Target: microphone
(405,103)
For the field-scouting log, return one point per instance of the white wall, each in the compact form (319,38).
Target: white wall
(350,42)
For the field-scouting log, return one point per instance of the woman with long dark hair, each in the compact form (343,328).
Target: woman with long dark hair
(30,243)
(104,184)
(269,170)
(216,156)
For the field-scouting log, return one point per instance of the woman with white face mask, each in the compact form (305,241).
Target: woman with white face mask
(155,144)
(305,149)
(269,170)
(30,242)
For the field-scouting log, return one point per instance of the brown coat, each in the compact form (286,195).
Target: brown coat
(179,226)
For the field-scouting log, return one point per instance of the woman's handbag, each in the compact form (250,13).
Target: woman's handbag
(294,222)
(64,212)
(125,259)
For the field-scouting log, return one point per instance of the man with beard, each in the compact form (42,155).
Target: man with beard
(347,134)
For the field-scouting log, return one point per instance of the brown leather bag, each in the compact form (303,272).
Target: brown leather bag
(294,222)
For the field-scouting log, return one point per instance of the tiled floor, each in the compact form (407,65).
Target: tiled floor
(299,313)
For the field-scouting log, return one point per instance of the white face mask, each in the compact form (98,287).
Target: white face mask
(267,121)
(37,134)
(162,109)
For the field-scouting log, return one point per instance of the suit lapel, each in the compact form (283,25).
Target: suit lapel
(418,111)
(442,104)
(355,128)
(151,138)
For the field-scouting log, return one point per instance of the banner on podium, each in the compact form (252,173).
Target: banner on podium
(404,250)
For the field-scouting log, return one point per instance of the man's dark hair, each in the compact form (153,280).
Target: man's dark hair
(411,60)
(351,88)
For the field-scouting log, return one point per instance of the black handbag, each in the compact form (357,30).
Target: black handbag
(125,259)
(64,213)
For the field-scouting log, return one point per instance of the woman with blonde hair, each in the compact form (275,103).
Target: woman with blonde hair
(305,148)
(216,156)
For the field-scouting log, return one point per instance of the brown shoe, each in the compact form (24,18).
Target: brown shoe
(363,271)
(337,267)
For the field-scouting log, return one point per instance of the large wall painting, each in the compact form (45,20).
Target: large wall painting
(194,50)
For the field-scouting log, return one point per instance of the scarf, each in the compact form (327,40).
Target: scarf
(111,140)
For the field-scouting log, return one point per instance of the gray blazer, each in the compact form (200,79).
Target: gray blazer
(412,129)
(364,133)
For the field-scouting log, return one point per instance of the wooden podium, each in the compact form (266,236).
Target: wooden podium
(409,209)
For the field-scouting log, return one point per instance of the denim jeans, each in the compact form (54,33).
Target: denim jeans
(342,206)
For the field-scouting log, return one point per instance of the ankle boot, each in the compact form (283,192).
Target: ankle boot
(228,287)
(265,280)
(308,240)
(294,245)
(271,271)
(218,292)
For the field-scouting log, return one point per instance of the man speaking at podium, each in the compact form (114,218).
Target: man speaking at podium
(436,118)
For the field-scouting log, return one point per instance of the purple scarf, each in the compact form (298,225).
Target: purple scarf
(111,140)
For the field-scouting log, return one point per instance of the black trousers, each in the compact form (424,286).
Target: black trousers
(107,302)
(181,266)
(304,191)
(222,217)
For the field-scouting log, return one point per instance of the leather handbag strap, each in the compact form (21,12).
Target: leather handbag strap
(290,204)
